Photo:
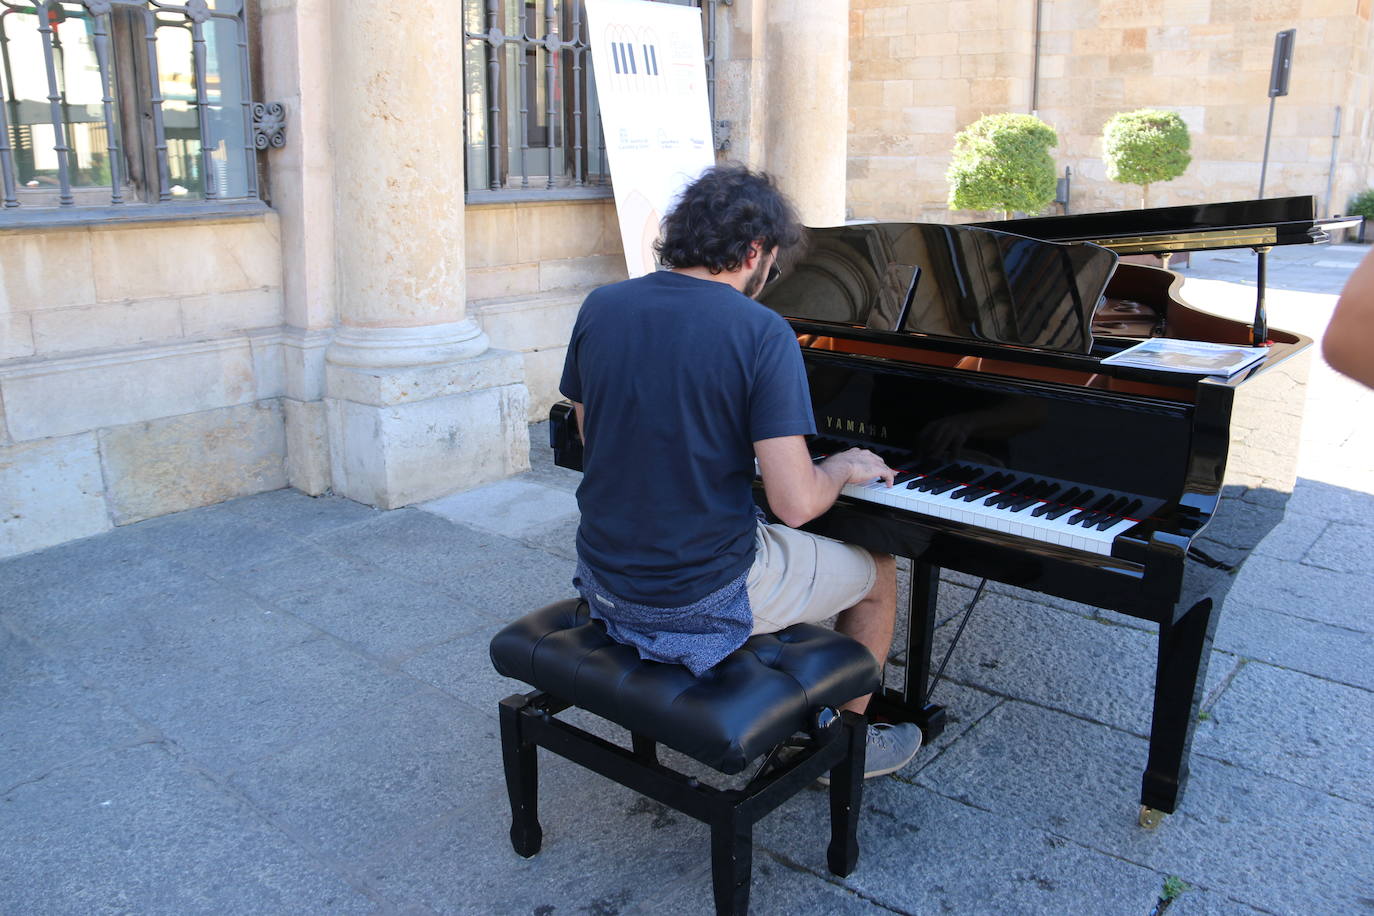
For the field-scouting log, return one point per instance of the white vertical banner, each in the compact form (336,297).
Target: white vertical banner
(651,80)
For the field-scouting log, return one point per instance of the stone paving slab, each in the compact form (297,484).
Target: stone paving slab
(48,721)
(1303,729)
(1337,598)
(74,583)
(605,849)
(921,852)
(1331,652)
(1294,536)
(1343,547)
(383,615)
(214,539)
(299,515)
(1268,842)
(513,508)
(1333,503)
(462,668)
(779,887)
(1055,658)
(228,717)
(352,792)
(139,831)
(166,638)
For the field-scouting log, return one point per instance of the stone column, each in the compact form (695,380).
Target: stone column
(296,72)
(417,403)
(808,104)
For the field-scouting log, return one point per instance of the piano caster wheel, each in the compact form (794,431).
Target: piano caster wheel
(1150,818)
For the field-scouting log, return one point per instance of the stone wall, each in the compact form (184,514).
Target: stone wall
(529,266)
(140,372)
(923,70)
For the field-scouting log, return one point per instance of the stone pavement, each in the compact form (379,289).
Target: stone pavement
(284,705)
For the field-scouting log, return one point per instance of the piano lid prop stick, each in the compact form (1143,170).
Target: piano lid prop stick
(1260,334)
(968,612)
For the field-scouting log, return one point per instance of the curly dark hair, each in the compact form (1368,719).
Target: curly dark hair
(720,214)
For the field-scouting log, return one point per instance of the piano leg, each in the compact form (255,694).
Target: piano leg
(910,703)
(1180,674)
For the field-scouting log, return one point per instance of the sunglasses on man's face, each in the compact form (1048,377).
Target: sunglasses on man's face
(773,273)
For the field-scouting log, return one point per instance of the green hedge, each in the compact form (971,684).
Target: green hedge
(1145,146)
(1002,162)
(1363,205)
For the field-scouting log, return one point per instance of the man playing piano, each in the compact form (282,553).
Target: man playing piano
(681,381)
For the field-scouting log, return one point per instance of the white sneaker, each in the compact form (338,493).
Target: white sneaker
(890,747)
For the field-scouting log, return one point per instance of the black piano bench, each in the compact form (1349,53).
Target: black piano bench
(778,690)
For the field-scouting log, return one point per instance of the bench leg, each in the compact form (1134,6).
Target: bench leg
(846,798)
(732,859)
(522,780)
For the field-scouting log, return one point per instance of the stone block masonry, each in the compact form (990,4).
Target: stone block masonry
(141,372)
(60,488)
(163,466)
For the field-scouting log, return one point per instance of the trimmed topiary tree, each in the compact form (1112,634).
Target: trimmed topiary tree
(1002,162)
(1145,146)
(1363,205)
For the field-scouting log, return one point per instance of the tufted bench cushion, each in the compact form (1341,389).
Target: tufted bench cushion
(754,699)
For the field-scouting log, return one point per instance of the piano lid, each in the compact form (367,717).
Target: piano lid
(1194,227)
(959,282)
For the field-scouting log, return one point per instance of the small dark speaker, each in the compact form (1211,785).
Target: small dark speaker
(1283,62)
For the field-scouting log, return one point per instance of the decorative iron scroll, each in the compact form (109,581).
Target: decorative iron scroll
(269,125)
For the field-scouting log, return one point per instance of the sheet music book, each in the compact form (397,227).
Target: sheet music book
(1192,356)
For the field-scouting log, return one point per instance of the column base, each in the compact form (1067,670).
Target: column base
(402,435)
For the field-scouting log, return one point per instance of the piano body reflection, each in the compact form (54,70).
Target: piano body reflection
(970,357)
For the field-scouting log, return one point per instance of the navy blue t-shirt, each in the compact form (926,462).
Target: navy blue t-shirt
(679,377)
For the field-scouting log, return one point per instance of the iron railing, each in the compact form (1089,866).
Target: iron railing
(149,100)
(530,96)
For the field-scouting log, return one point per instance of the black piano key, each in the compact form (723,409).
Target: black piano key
(985,484)
(1019,496)
(1105,508)
(903,477)
(1013,493)
(1067,501)
(1057,511)
(1133,508)
(1108,516)
(947,478)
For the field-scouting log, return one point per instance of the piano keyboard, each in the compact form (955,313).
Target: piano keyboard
(998,499)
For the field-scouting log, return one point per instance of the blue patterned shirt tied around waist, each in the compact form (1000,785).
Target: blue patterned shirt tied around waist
(697,635)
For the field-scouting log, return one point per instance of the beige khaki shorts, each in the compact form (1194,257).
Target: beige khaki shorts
(804,578)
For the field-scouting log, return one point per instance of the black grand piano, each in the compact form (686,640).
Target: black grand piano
(971,358)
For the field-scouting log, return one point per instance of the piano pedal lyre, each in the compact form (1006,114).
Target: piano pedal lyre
(1150,818)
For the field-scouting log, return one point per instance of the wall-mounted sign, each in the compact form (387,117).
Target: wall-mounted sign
(651,80)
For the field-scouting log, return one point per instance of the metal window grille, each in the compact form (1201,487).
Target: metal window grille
(532,123)
(107,102)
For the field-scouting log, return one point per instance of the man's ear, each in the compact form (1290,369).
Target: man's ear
(755,252)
